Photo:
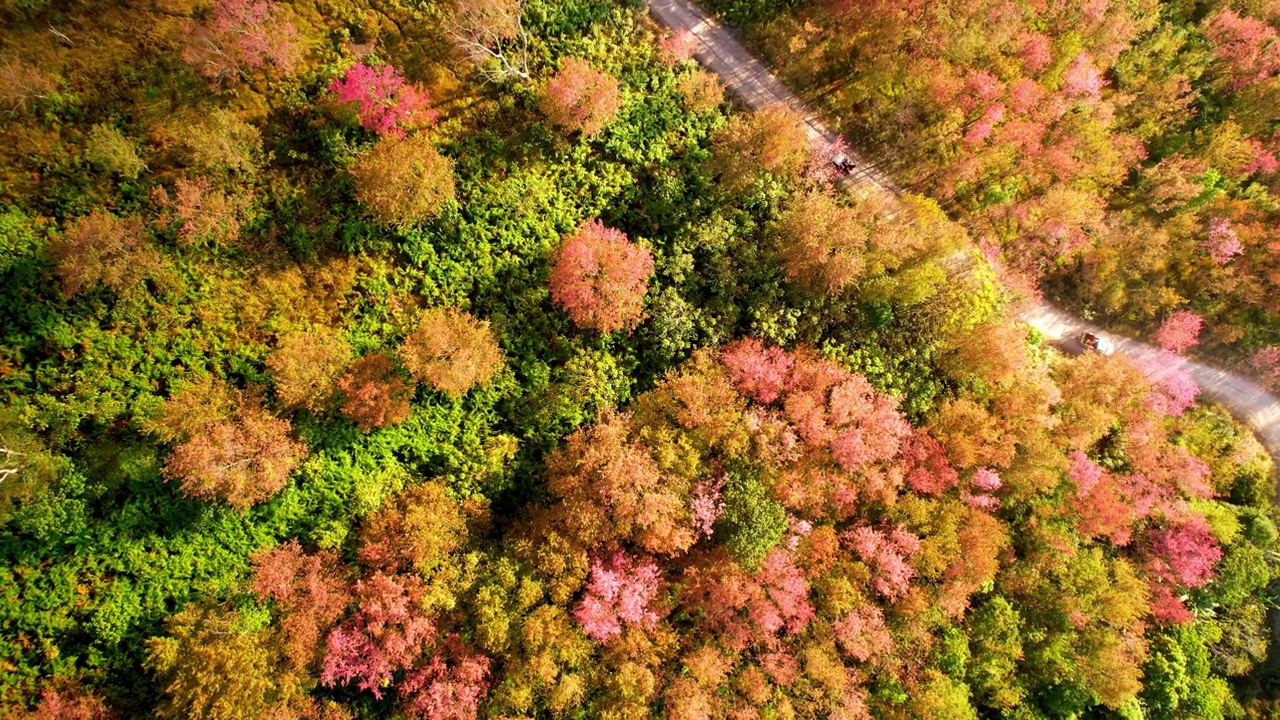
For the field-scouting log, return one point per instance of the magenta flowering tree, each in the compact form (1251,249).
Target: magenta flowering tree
(385,102)
(1085,473)
(618,593)
(1182,555)
(1173,390)
(1181,330)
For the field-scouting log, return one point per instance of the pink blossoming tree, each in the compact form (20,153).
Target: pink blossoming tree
(1181,330)
(385,102)
(618,594)
(600,278)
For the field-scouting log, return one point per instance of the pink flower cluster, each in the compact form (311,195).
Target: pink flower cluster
(889,554)
(618,593)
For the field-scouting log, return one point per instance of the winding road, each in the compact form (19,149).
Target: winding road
(750,80)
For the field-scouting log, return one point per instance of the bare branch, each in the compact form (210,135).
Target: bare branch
(492,34)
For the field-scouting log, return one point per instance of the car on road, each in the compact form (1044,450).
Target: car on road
(1096,343)
(843,164)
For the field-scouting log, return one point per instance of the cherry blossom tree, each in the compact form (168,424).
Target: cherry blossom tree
(1267,362)
(759,372)
(385,102)
(1247,46)
(706,504)
(450,686)
(618,593)
(928,471)
(579,97)
(600,278)
(611,488)
(889,554)
(1173,390)
(748,608)
(308,591)
(388,633)
(1179,331)
(66,701)
(1221,243)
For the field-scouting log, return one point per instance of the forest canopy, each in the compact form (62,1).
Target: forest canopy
(480,360)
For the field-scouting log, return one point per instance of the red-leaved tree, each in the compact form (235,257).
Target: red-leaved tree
(374,393)
(600,278)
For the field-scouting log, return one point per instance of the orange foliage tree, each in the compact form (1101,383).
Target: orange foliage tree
(769,140)
(404,181)
(102,248)
(451,351)
(228,447)
(579,97)
(374,393)
(305,367)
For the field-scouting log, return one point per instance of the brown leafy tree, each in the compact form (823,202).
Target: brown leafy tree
(404,181)
(374,393)
(452,351)
(580,97)
(305,367)
(102,248)
(769,140)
